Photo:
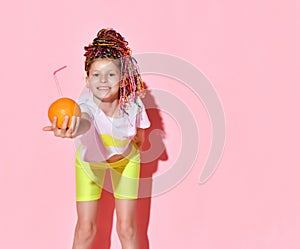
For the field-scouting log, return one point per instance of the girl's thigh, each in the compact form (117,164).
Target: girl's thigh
(125,210)
(87,211)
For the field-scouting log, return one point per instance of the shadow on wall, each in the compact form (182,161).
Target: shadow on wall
(149,164)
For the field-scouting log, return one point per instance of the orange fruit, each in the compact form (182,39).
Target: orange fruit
(61,108)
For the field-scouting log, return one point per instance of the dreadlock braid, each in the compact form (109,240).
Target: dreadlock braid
(110,44)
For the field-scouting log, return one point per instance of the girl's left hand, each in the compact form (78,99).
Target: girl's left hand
(139,137)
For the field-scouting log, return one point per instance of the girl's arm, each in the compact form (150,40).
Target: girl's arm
(79,126)
(84,125)
(139,137)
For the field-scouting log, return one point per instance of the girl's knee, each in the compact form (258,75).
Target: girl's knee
(85,231)
(126,229)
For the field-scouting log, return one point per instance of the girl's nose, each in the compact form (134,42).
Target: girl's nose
(103,79)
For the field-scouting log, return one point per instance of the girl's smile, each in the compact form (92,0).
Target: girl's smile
(104,80)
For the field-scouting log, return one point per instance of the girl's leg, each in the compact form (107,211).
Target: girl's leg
(126,223)
(86,224)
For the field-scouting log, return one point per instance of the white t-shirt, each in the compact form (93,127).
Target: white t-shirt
(109,136)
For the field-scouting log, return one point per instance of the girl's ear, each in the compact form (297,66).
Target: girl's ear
(87,84)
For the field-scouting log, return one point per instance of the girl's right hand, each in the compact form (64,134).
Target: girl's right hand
(64,131)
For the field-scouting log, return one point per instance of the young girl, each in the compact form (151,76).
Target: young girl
(109,133)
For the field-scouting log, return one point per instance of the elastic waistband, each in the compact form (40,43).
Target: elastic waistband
(132,156)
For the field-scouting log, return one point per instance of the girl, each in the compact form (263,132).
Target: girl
(108,133)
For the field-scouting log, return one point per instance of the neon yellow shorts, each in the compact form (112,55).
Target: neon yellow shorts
(124,176)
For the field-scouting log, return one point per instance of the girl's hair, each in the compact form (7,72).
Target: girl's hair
(110,44)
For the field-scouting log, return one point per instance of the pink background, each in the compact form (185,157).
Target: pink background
(250,52)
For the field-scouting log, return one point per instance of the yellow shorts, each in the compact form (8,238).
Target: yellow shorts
(124,176)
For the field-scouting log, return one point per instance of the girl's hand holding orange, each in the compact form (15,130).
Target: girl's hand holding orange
(66,131)
(64,114)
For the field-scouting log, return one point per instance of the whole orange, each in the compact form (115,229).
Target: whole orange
(61,108)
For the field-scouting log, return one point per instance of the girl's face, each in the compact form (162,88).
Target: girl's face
(104,80)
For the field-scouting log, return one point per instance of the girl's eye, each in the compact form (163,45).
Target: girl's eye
(95,75)
(112,74)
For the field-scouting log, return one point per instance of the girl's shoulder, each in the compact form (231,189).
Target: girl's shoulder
(135,106)
(86,103)
(85,98)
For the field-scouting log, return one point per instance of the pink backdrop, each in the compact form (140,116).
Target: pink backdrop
(250,52)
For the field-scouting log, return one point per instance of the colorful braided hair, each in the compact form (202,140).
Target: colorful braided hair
(110,44)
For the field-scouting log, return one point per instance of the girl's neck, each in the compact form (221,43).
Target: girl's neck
(109,108)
